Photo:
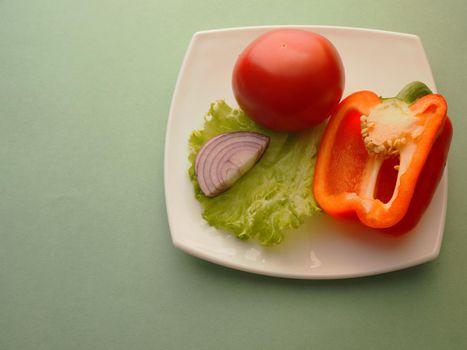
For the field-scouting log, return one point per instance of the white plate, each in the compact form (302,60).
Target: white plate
(322,248)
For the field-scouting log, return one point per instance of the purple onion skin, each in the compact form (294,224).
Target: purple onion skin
(226,158)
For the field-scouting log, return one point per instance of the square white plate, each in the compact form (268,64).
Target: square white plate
(322,248)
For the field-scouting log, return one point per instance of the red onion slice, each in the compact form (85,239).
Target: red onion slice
(227,157)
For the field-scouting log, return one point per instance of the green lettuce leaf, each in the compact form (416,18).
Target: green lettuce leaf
(275,195)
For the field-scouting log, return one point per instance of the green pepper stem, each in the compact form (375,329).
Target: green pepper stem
(413,91)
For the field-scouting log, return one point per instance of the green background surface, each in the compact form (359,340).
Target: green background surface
(86,259)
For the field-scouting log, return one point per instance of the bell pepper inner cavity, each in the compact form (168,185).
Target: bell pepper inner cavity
(391,129)
(387,178)
(348,138)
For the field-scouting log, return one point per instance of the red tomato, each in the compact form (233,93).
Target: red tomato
(288,79)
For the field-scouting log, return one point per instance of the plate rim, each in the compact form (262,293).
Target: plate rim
(297,26)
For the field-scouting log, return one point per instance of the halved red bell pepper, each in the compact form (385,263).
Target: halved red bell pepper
(372,167)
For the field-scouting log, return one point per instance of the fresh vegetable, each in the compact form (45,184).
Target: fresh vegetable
(427,183)
(376,153)
(288,79)
(275,195)
(227,157)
